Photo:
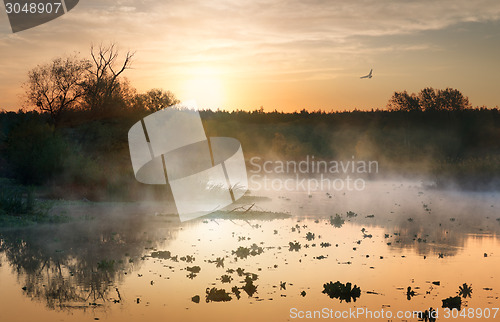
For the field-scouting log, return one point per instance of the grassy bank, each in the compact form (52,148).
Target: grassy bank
(19,207)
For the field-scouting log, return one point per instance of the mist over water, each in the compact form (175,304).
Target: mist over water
(119,262)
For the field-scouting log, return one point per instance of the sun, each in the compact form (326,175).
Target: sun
(205,86)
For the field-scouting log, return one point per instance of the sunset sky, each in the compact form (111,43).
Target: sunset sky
(284,55)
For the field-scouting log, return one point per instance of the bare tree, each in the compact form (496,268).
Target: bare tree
(57,86)
(102,81)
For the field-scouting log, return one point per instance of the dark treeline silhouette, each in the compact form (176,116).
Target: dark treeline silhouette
(429,100)
(89,158)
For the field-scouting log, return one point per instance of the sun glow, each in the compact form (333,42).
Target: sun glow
(205,86)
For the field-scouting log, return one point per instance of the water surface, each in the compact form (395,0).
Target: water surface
(128,263)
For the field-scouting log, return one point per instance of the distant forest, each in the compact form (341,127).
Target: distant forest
(70,139)
(89,158)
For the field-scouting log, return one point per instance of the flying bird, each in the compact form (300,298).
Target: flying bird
(369,75)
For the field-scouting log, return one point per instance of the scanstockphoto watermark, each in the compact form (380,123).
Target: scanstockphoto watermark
(310,174)
(470,313)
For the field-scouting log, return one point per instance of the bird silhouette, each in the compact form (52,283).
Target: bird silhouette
(369,75)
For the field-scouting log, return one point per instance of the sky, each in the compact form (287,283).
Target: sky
(282,54)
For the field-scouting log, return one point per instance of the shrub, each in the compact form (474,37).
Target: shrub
(35,152)
(15,200)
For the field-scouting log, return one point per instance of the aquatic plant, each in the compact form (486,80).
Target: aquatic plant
(465,291)
(161,254)
(351,214)
(236,292)
(343,292)
(244,252)
(427,315)
(226,278)
(310,236)
(187,259)
(217,295)
(256,250)
(337,222)
(409,293)
(294,246)
(251,276)
(194,269)
(249,287)
(453,303)
(241,252)
(219,262)
(240,271)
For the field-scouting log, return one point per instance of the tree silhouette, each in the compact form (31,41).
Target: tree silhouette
(57,86)
(451,99)
(429,100)
(402,101)
(157,99)
(102,84)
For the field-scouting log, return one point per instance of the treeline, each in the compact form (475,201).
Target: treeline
(429,100)
(91,159)
(403,140)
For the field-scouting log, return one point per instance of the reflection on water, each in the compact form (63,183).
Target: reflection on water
(397,247)
(71,265)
